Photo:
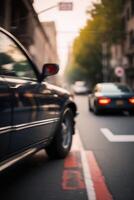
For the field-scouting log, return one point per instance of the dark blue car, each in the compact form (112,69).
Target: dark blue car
(111,97)
(33,113)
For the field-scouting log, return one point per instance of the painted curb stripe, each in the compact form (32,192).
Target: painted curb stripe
(101,190)
(73,160)
(72,178)
(85,167)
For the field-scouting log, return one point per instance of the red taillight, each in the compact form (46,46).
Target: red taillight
(131,100)
(104,100)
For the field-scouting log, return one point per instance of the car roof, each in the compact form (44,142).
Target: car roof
(111,84)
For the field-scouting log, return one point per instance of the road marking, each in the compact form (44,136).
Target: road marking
(116,138)
(73,160)
(102,192)
(72,180)
(94,180)
(86,170)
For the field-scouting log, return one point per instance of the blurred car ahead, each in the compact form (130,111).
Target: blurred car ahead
(80,88)
(111,97)
(34,115)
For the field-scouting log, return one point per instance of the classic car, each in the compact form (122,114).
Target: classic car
(33,113)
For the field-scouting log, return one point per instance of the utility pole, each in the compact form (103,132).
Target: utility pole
(105,61)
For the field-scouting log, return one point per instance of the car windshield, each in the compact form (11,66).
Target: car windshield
(115,88)
(80,83)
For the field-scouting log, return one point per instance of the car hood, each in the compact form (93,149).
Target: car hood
(58,89)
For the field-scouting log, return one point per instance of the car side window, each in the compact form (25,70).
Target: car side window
(13,62)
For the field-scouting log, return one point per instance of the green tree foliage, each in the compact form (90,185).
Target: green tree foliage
(109,13)
(104,25)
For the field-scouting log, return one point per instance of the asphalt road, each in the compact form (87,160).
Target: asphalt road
(115,159)
(40,178)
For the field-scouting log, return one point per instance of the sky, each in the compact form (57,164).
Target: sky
(68,23)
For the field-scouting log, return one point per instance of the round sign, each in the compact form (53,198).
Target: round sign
(119,71)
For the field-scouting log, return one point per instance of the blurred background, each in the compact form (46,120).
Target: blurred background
(92,40)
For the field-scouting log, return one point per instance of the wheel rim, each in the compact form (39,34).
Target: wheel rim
(66,133)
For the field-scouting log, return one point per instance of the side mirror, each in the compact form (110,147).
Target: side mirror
(49,69)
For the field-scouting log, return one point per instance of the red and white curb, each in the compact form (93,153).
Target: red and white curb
(94,181)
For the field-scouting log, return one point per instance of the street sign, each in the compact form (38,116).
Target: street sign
(119,71)
(65,6)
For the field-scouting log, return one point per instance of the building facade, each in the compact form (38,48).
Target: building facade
(20,18)
(50,30)
(122,54)
(128,45)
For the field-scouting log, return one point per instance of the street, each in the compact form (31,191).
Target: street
(115,159)
(65,68)
(64,179)
(41,178)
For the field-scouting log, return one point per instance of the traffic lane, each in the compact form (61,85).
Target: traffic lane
(41,178)
(116,121)
(117,167)
(115,159)
(90,125)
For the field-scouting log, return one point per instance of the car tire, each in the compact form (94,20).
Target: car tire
(131,113)
(62,141)
(90,109)
(96,110)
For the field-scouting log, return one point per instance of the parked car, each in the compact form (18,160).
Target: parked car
(33,113)
(111,96)
(80,87)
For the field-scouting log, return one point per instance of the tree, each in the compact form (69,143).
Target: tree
(105,25)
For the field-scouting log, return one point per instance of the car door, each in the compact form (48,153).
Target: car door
(92,96)
(32,118)
(5,117)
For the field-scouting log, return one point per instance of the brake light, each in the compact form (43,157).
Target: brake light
(104,100)
(131,100)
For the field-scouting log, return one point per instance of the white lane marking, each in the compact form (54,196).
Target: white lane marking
(86,171)
(116,138)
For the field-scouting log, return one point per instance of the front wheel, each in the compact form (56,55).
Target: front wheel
(96,110)
(89,106)
(61,144)
(131,112)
